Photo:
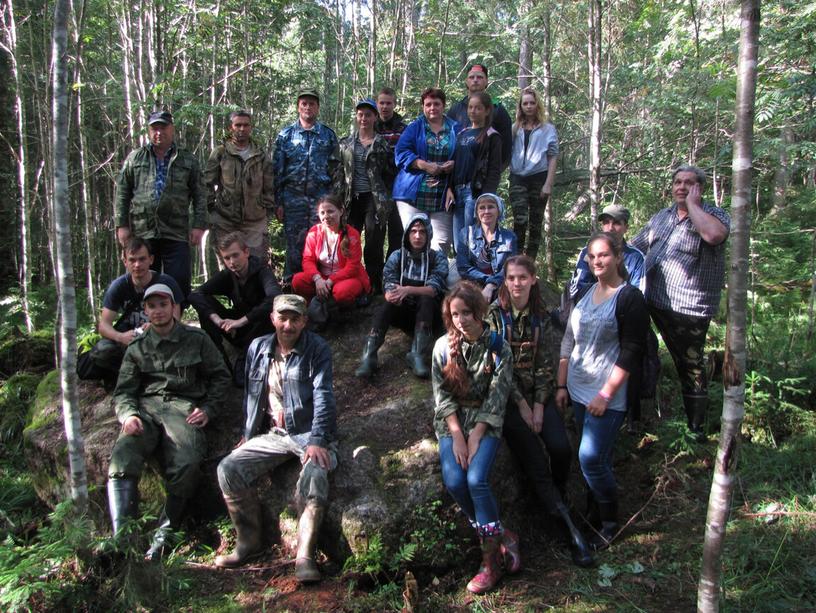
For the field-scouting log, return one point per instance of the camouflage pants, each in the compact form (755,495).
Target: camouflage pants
(528,211)
(256,234)
(262,454)
(178,446)
(102,361)
(685,338)
(299,214)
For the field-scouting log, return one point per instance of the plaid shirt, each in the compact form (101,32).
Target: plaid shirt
(161,171)
(684,274)
(431,194)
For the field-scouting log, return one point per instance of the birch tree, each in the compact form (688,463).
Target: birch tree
(719,502)
(65,270)
(594,56)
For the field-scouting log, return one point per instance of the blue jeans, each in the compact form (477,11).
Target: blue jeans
(598,436)
(471,488)
(464,213)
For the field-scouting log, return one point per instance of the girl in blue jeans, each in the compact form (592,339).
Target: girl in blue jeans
(603,344)
(472,374)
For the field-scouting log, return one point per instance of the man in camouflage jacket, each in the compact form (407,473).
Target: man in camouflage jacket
(240,184)
(154,191)
(172,383)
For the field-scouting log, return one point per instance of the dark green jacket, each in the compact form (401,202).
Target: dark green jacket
(377,168)
(169,216)
(185,365)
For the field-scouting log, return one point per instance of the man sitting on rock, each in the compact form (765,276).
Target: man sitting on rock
(172,383)
(251,287)
(289,412)
(123,299)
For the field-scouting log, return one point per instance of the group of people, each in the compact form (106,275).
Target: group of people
(430,188)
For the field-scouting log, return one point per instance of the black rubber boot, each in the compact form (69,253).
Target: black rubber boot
(593,514)
(169,522)
(306,569)
(244,509)
(123,501)
(696,406)
(416,357)
(580,549)
(609,526)
(369,363)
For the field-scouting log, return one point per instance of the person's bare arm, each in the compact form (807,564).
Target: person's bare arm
(106,329)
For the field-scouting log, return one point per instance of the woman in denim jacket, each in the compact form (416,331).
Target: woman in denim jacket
(486,246)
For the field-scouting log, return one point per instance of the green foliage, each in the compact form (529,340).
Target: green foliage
(48,389)
(16,395)
(375,561)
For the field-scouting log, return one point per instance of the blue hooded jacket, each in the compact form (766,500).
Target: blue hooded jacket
(417,268)
(412,146)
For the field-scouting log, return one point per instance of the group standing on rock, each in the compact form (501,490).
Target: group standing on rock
(431,189)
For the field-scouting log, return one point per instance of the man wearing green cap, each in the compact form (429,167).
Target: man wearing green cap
(172,383)
(306,163)
(289,412)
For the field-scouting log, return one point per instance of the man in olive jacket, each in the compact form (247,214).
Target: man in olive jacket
(240,184)
(172,383)
(155,189)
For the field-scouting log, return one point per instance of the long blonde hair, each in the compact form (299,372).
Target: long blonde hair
(541,117)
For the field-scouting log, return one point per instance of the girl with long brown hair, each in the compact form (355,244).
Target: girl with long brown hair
(472,373)
(531,416)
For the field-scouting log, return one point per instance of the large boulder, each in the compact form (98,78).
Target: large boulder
(388,474)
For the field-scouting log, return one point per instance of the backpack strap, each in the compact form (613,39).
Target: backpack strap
(496,342)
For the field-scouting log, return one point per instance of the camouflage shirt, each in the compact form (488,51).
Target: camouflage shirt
(306,161)
(240,190)
(185,364)
(489,386)
(167,215)
(533,371)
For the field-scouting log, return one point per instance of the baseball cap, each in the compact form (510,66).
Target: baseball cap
(616,212)
(164,117)
(289,302)
(160,289)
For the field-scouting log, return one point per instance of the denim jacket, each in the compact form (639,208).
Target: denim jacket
(308,398)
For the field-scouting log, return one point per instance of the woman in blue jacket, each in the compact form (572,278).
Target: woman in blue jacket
(424,156)
(486,246)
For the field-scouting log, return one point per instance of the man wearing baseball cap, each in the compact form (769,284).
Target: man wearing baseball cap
(171,384)
(155,188)
(476,81)
(306,164)
(290,413)
(615,220)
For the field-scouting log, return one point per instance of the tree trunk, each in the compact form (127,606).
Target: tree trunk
(719,501)
(525,67)
(782,172)
(21,155)
(594,55)
(546,65)
(372,49)
(65,270)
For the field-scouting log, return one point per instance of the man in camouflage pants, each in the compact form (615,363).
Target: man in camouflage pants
(240,188)
(172,383)
(289,412)
(684,246)
(306,164)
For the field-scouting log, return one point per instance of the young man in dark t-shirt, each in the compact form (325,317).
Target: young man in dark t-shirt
(390,125)
(123,317)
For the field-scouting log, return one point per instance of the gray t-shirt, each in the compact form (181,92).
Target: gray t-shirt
(594,329)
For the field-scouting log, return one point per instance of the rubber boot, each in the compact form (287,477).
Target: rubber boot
(369,363)
(696,406)
(580,549)
(123,501)
(416,357)
(306,570)
(169,522)
(511,556)
(245,512)
(490,571)
(609,526)
(593,514)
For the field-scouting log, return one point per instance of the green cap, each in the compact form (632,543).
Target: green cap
(309,91)
(289,302)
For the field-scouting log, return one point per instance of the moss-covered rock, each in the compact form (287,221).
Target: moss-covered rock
(16,395)
(34,353)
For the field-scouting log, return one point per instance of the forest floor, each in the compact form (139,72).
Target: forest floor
(664,477)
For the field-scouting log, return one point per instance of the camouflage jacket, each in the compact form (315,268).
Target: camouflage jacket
(184,365)
(489,386)
(306,162)
(376,163)
(168,217)
(533,370)
(238,190)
